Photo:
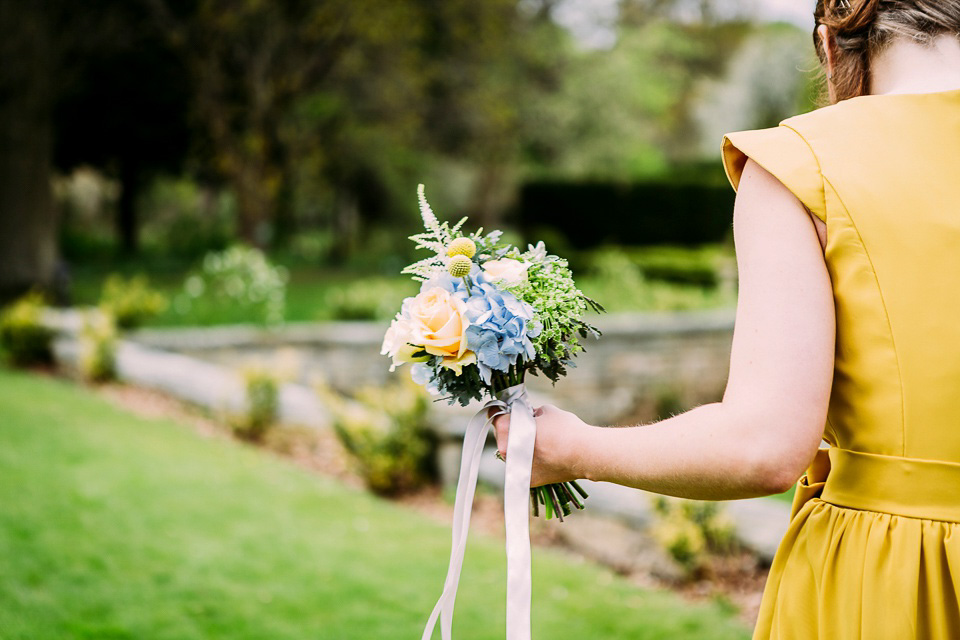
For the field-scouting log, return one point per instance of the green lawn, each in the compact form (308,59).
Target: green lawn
(115,527)
(311,295)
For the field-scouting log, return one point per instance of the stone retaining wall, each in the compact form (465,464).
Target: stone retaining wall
(640,360)
(645,364)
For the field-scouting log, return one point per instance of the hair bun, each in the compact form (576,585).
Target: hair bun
(852,17)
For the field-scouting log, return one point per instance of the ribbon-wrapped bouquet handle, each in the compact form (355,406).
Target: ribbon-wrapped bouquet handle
(516,491)
(488,313)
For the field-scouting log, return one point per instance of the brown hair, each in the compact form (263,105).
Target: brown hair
(863,28)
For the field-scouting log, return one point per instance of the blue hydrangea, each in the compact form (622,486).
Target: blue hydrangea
(501,326)
(500,330)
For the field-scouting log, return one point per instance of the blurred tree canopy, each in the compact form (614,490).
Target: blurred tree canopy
(326,113)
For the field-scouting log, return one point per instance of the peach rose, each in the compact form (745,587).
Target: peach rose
(438,322)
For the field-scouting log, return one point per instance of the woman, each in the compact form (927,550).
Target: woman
(847,230)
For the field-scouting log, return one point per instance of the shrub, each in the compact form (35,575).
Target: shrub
(698,266)
(186,220)
(23,336)
(131,302)
(365,299)
(683,265)
(617,277)
(385,432)
(240,279)
(98,346)
(681,211)
(668,402)
(263,400)
(690,530)
(683,540)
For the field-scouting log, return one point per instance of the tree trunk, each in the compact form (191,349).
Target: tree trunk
(128,226)
(28,222)
(254,207)
(346,227)
(487,200)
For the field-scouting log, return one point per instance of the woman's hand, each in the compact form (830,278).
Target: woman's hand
(555,452)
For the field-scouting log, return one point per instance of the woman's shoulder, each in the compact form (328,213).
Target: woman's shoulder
(804,127)
(809,133)
(848,142)
(828,121)
(786,152)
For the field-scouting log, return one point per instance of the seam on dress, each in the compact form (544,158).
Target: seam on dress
(823,178)
(876,278)
(872,513)
(823,191)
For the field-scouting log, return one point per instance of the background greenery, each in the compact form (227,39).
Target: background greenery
(176,127)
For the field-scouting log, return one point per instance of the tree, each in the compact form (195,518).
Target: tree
(125,112)
(32,56)
(248,62)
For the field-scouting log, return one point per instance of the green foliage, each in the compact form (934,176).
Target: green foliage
(118,526)
(385,431)
(649,212)
(689,530)
(241,278)
(23,336)
(263,398)
(365,299)
(668,402)
(682,265)
(98,346)
(696,265)
(617,278)
(131,301)
(559,306)
(184,220)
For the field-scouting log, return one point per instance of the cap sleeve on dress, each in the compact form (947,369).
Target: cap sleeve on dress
(785,154)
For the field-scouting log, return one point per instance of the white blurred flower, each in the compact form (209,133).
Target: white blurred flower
(537,252)
(506,271)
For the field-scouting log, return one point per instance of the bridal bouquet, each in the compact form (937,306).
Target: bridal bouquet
(486,316)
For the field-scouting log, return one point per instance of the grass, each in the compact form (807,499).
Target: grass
(313,294)
(116,527)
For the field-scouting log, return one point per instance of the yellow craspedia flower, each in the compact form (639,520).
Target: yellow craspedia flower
(462,247)
(460,266)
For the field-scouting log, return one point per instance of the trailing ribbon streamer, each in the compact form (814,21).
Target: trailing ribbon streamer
(516,492)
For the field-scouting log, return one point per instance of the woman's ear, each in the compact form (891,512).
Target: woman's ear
(826,37)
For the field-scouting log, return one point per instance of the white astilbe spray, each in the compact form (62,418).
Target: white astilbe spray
(436,238)
(430,221)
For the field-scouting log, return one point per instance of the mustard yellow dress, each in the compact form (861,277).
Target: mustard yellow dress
(873,546)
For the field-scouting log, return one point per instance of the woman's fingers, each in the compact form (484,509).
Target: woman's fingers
(501,426)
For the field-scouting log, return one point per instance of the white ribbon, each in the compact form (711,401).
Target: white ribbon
(516,494)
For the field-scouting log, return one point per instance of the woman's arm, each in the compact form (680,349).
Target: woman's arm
(759,439)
